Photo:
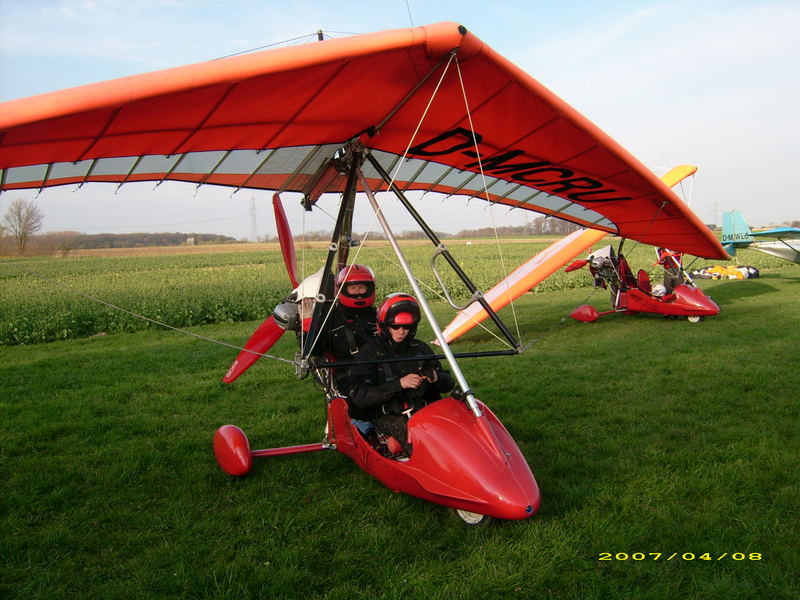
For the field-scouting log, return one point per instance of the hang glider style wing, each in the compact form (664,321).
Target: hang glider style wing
(523,279)
(275,119)
(532,272)
(736,233)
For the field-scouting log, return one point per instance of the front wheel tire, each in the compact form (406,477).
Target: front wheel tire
(470,518)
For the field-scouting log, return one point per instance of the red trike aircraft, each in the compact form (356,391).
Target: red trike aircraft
(435,107)
(632,295)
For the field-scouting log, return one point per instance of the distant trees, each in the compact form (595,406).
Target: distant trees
(539,226)
(21,221)
(73,240)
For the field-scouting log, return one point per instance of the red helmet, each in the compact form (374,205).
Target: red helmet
(398,309)
(356,274)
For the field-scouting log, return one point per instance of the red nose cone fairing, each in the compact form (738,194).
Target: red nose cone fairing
(458,460)
(232,450)
(585,313)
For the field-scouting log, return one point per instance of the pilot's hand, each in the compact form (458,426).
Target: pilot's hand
(411,381)
(429,374)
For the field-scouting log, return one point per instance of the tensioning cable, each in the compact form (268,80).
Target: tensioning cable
(76,292)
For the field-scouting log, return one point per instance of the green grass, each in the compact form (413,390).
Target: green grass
(646,435)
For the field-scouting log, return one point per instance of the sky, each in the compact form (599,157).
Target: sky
(705,82)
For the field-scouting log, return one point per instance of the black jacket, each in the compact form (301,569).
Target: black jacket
(377,386)
(345,331)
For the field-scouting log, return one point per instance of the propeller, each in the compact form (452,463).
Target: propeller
(270,331)
(285,239)
(578,264)
(260,342)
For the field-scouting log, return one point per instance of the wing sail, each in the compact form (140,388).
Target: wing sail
(524,278)
(271,119)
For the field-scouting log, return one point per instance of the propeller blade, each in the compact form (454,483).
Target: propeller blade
(576,265)
(285,238)
(261,341)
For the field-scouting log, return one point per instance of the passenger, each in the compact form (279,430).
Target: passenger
(392,391)
(671,263)
(352,322)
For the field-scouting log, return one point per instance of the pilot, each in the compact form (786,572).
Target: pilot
(392,391)
(671,263)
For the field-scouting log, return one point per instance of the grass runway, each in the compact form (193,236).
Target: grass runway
(666,453)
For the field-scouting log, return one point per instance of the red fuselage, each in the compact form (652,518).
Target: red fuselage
(685,301)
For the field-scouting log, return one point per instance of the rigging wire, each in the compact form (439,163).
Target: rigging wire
(303,274)
(393,260)
(294,40)
(439,295)
(77,292)
(410,18)
(300,39)
(486,192)
(391,183)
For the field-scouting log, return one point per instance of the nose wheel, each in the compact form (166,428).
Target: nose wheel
(471,518)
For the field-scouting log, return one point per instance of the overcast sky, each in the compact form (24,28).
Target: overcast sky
(705,82)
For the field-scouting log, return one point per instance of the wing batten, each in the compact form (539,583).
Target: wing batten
(172,168)
(183,145)
(47,171)
(256,170)
(131,171)
(99,137)
(213,170)
(89,171)
(511,190)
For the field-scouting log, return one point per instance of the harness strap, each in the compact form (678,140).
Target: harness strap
(351,339)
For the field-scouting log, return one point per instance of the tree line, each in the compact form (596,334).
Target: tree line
(24,219)
(539,226)
(73,240)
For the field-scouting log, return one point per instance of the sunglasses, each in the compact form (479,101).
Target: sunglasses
(396,327)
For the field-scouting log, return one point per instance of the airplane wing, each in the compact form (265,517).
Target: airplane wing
(522,279)
(540,267)
(274,119)
(778,232)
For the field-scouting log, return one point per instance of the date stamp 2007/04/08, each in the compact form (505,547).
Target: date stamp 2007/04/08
(685,556)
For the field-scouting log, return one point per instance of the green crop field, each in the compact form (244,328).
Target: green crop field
(666,452)
(45,299)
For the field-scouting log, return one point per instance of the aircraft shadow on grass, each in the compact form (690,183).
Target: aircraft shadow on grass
(738,290)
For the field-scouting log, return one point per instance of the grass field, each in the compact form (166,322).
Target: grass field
(668,448)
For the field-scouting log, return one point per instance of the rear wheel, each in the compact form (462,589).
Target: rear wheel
(471,518)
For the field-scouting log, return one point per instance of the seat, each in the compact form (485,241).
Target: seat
(643,281)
